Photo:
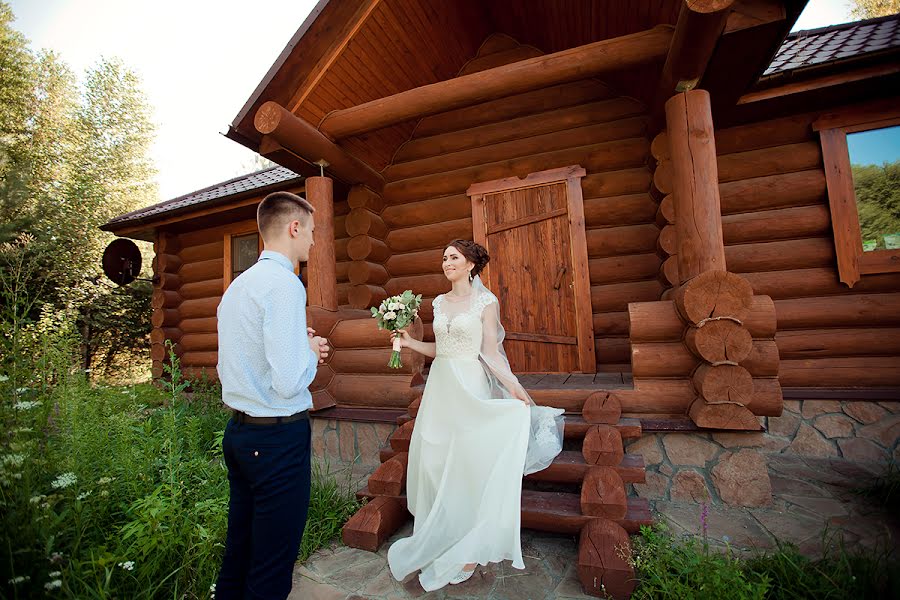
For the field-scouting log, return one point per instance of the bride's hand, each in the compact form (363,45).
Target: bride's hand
(520,394)
(403,336)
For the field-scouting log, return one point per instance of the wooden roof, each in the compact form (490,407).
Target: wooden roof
(349,52)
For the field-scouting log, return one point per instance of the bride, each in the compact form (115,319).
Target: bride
(476,434)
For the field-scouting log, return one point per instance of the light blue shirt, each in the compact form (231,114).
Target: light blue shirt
(265,362)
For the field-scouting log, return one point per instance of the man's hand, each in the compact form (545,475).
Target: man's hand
(310,332)
(319,345)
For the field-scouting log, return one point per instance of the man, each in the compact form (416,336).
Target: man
(267,359)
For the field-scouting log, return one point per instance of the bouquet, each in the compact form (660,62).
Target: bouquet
(397,312)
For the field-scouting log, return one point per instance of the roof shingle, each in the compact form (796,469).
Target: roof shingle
(836,42)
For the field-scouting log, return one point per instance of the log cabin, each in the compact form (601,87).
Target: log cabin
(671,178)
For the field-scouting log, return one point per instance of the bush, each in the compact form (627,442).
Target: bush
(686,568)
(122,492)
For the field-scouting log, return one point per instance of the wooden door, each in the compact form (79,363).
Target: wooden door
(533,229)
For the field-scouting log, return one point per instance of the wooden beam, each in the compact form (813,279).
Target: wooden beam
(826,81)
(322,279)
(695,179)
(296,135)
(542,71)
(700,24)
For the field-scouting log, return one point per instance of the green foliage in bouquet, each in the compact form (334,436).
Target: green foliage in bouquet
(394,313)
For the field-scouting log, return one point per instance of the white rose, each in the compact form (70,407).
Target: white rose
(390,316)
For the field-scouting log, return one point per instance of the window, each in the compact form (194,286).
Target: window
(241,252)
(861,154)
(244,252)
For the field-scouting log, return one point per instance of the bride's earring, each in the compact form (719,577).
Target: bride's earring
(471,279)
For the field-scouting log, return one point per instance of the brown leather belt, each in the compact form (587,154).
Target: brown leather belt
(242,418)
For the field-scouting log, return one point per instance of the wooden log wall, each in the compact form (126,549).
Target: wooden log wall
(165,302)
(777,230)
(583,123)
(366,231)
(191,267)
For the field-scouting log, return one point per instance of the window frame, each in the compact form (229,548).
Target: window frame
(833,129)
(227,250)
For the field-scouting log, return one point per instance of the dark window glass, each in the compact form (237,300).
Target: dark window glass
(244,253)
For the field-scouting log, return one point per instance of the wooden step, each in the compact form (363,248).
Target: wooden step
(560,512)
(576,427)
(569,467)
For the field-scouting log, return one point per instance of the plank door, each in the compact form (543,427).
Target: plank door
(533,229)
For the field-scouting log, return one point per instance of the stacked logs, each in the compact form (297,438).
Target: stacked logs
(165,301)
(600,511)
(356,372)
(666,245)
(366,248)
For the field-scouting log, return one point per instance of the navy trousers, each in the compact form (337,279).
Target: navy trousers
(268,475)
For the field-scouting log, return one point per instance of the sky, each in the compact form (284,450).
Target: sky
(199,61)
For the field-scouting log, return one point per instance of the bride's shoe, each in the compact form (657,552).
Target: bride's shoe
(462,576)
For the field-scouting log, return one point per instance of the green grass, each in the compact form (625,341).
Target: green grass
(685,568)
(96,479)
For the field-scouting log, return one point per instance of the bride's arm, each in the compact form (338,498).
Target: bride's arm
(490,351)
(407,341)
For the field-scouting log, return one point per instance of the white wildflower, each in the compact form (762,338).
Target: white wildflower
(36,499)
(21,390)
(390,315)
(4,378)
(54,574)
(56,557)
(84,495)
(64,481)
(26,404)
(128,565)
(19,579)
(104,493)
(105,480)
(53,585)
(14,460)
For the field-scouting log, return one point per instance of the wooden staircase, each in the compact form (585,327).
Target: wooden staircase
(586,496)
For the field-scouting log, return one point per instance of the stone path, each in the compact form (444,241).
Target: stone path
(813,501)
(340,573)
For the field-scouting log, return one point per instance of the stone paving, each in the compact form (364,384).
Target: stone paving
(813,502)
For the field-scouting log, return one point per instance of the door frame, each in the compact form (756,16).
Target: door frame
(571,176)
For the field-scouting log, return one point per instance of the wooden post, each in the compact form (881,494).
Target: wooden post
(322,270)
(695,183)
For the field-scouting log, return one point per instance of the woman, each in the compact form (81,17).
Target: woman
(476,434)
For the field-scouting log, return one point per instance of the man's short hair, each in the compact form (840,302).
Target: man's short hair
(279,208)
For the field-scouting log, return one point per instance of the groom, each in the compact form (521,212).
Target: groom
(267,359)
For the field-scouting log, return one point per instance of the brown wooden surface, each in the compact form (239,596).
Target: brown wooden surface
(602,569)
(856,371)
(602,446)
(695,186)
(298,136)
(713,294)
(602,407)
(389,479)
(719,341)
(724,383)
(603,494)
(814,343)
(726,415)
(697,31)
(374,523)
(857,310)
(523,76)
(322,278)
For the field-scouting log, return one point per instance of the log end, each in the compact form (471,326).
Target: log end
(374,523)
(268,117)
(602,567)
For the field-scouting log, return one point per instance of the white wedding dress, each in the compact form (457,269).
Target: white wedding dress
(471,444)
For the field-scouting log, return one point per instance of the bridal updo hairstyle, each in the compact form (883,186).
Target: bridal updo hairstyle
(473,252)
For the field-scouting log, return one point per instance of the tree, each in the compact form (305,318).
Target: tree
(71,159)
(877,200)
(868,9)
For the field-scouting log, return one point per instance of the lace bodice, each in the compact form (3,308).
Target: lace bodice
(459,335)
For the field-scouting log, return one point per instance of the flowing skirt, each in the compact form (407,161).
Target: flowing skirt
(464,480)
